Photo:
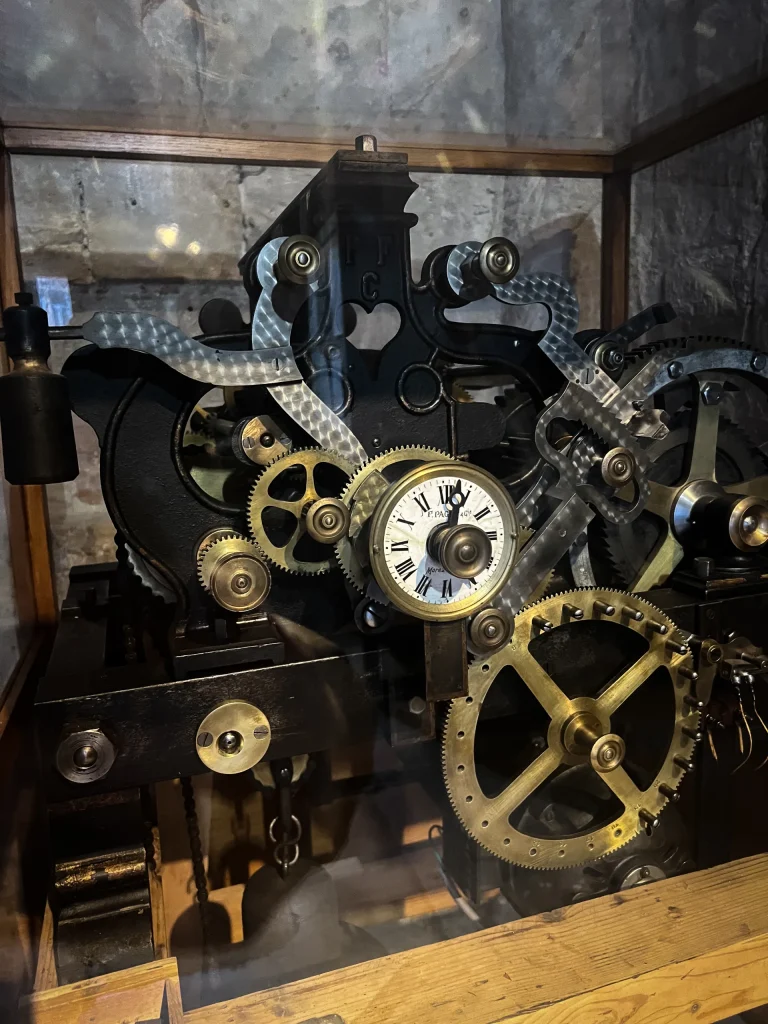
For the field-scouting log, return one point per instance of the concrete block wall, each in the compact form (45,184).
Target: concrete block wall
(165,237)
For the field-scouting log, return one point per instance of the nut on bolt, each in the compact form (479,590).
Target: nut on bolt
(490,630)
(499,260)
(298,260)
(618,467)
(85,755)
(712,393)
(327,520)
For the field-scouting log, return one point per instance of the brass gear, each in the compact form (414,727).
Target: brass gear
(361,495)
(576,727)
(261,499)
(231,569)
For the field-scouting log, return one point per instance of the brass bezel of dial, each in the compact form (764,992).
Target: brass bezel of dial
(504,549)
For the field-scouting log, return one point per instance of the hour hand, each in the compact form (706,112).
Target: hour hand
(456,500)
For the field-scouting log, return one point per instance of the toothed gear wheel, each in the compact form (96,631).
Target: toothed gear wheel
(598,725)
(230,568)
(644,554)
(280,499)
(362,494)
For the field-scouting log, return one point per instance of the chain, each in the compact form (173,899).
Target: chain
(198,865)
(286,851)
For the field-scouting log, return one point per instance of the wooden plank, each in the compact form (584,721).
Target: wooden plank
(707,988)
(614,250)
(152,146)
(27,509)
(46,976)
(496,973)
(145,993)
(721,115)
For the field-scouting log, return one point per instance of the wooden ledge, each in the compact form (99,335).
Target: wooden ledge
(691,948)
(151,146)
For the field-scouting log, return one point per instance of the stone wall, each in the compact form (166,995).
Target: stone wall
(402,68)
(700,233)
(559,72)
(163,238)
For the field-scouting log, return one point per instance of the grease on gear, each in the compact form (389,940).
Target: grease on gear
(280,499)
(575,723)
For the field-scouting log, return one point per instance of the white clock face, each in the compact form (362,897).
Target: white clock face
(412,520)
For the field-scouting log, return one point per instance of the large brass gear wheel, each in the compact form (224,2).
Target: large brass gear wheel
(362,494)
(283,494)
(582,730)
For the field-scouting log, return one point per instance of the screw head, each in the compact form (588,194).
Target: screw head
(266,440)
(675,370)
(242,583)
(417,705)
(758,362)
(205,739)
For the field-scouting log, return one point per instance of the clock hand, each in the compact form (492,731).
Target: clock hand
(456,505)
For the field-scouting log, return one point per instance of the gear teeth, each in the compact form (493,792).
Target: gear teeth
(629,834)
(344,549)
(386,455)
(323,455)
(209,545)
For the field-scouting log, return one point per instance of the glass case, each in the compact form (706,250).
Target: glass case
(310,272)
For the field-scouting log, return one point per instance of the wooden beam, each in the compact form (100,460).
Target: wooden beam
(149,992)
(614,249)
(26,506)
(707,988)
(152,146)
(494,974)
(721,115)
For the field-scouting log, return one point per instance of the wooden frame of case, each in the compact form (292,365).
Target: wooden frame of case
(613,952)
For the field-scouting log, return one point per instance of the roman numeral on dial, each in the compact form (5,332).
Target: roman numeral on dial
(491,535)
(423,585)
(406,522)
(447,588)
(406,568)
(399,545)
(483,512)
(421,501)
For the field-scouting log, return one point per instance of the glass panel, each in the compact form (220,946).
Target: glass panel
(553,73)
(164,238)
(698,233)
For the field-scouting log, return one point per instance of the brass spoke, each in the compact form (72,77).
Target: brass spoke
(660,564)
(622,786)
(628,682)
(540,683)
(527,782)
(755,488)
(704,447)
(294,507)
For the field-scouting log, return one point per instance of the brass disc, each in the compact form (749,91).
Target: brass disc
(233,737)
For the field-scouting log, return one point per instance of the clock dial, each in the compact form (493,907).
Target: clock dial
(435,503)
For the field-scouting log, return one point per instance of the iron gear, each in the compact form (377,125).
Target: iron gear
(283,494)
(651,655)
(362,494)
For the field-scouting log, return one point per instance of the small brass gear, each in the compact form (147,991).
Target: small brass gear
(362,494)
(285,490)
(230,568)
(580,732)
